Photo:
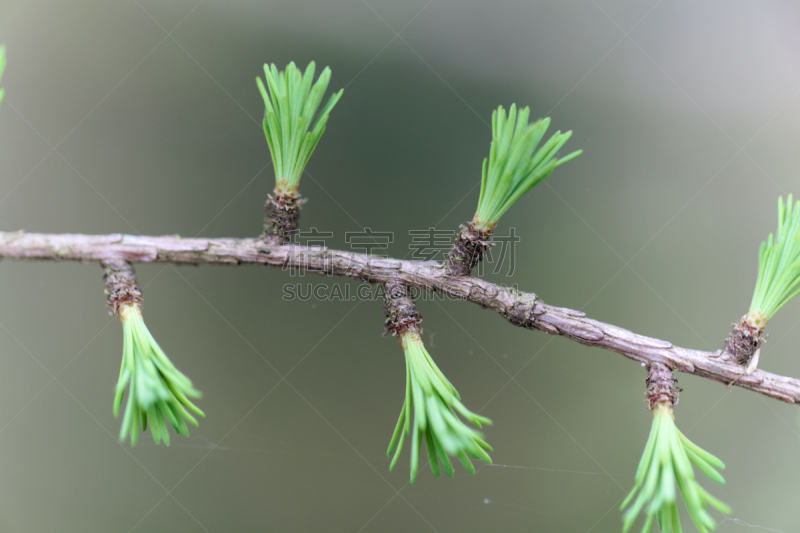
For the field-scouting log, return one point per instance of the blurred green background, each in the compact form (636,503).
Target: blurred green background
(143,117)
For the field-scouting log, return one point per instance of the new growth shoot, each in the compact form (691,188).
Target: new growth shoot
(514,165)
(432,403)
(157,391)
(778,267)
(291,103)
(778,282)
(667,460)
(429,413)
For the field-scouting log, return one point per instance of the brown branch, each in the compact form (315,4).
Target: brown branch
(520,308)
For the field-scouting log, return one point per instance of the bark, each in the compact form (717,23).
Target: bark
(522,309)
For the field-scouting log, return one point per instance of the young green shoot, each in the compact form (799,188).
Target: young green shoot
(515,165)
(778,282)
(157,391)
(667,460)
(291,104)
(429,414)
(778,267)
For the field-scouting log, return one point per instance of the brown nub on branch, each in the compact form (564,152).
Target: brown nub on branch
(401,311)
(283,213)
(743,341)
(471,243)
(661,386)
(121,287)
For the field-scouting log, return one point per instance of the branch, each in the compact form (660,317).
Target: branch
(520,308)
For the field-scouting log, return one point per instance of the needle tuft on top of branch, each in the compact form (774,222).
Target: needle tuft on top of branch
(291,104)
(515,165)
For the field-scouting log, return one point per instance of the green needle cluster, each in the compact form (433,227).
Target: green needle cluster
(778,266)
(156,389)
(291,103)
(431,400)
(514,165)
(668,458)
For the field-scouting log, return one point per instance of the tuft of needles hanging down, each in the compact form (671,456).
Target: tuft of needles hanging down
(432,406)
(291,104)
(666,462)
(157,391)
(778,282)
(515,165)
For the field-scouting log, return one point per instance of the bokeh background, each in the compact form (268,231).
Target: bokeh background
(143,117)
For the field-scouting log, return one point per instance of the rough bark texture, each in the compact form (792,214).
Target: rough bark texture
(401,311)
(283,214)
(471,243)
(520,308)
(661,386)
(743,341)
(121,287)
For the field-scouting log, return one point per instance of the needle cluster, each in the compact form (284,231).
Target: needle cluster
(429,413)
(515,165)
(157,391)
(667,460)
(291,103)
(778,267)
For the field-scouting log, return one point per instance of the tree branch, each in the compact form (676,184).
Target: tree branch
(520,308)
